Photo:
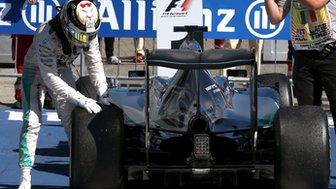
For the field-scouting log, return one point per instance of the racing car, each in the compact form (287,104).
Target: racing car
(196,127)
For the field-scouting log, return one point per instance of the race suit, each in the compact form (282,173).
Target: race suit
(47,67)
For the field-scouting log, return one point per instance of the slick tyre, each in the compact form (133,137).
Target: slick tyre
(96,145)
(280,83)
(302,148)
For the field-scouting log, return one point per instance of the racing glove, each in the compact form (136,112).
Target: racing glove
(105,99)
(88,104)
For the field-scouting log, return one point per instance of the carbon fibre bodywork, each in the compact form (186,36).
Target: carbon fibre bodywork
(174,103)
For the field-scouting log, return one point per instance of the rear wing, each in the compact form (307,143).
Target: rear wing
(209,59)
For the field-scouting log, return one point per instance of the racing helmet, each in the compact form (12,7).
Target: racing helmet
(80,21)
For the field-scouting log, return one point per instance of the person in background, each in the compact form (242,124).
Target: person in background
(20,45)
(313,36)
(109,50)
(139,44)
(290,59)
(254,46)
(47,64)
(219,43)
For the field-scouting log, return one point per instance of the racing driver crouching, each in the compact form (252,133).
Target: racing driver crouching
(57,43)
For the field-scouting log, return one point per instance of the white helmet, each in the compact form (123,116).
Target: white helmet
(80,21)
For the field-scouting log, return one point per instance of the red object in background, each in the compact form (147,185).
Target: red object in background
(20,46)
(290,69)
(219,43)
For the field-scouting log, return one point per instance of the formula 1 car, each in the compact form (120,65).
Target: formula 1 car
(195,127)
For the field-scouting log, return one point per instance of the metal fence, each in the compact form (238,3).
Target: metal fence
(125,49)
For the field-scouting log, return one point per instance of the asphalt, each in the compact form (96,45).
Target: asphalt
(52,154)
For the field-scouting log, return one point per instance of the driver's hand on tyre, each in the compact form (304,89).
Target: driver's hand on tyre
(105,99)
(89,105)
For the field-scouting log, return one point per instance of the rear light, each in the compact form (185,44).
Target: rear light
(201,146)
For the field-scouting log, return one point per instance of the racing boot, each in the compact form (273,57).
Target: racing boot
(25,182)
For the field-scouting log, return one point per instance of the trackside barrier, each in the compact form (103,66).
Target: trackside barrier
(258,52)
(81,61)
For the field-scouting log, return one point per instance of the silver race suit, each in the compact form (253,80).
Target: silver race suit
(47,67)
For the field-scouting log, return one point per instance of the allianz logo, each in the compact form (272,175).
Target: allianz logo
(44,10)
(41,12)
(257,21)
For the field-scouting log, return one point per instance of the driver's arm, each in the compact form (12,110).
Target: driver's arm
(95,67)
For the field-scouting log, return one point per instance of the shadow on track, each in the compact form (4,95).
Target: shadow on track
(53,167)
(61,150)
(6,186)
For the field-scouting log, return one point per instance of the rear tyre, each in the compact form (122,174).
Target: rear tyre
(280,83)
(96,145)
(302,148)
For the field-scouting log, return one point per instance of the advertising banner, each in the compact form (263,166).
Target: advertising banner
(230,19)
(173,13)
(120,18)
(246,19)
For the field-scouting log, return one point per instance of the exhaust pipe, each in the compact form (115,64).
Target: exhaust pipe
(199,124)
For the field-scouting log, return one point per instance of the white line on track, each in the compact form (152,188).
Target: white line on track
(17,116)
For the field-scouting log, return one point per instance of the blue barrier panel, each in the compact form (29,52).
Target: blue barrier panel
(230,19)
(241,19)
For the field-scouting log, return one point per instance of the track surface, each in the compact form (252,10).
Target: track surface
(52,162)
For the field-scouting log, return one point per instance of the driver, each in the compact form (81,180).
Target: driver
(57,43)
